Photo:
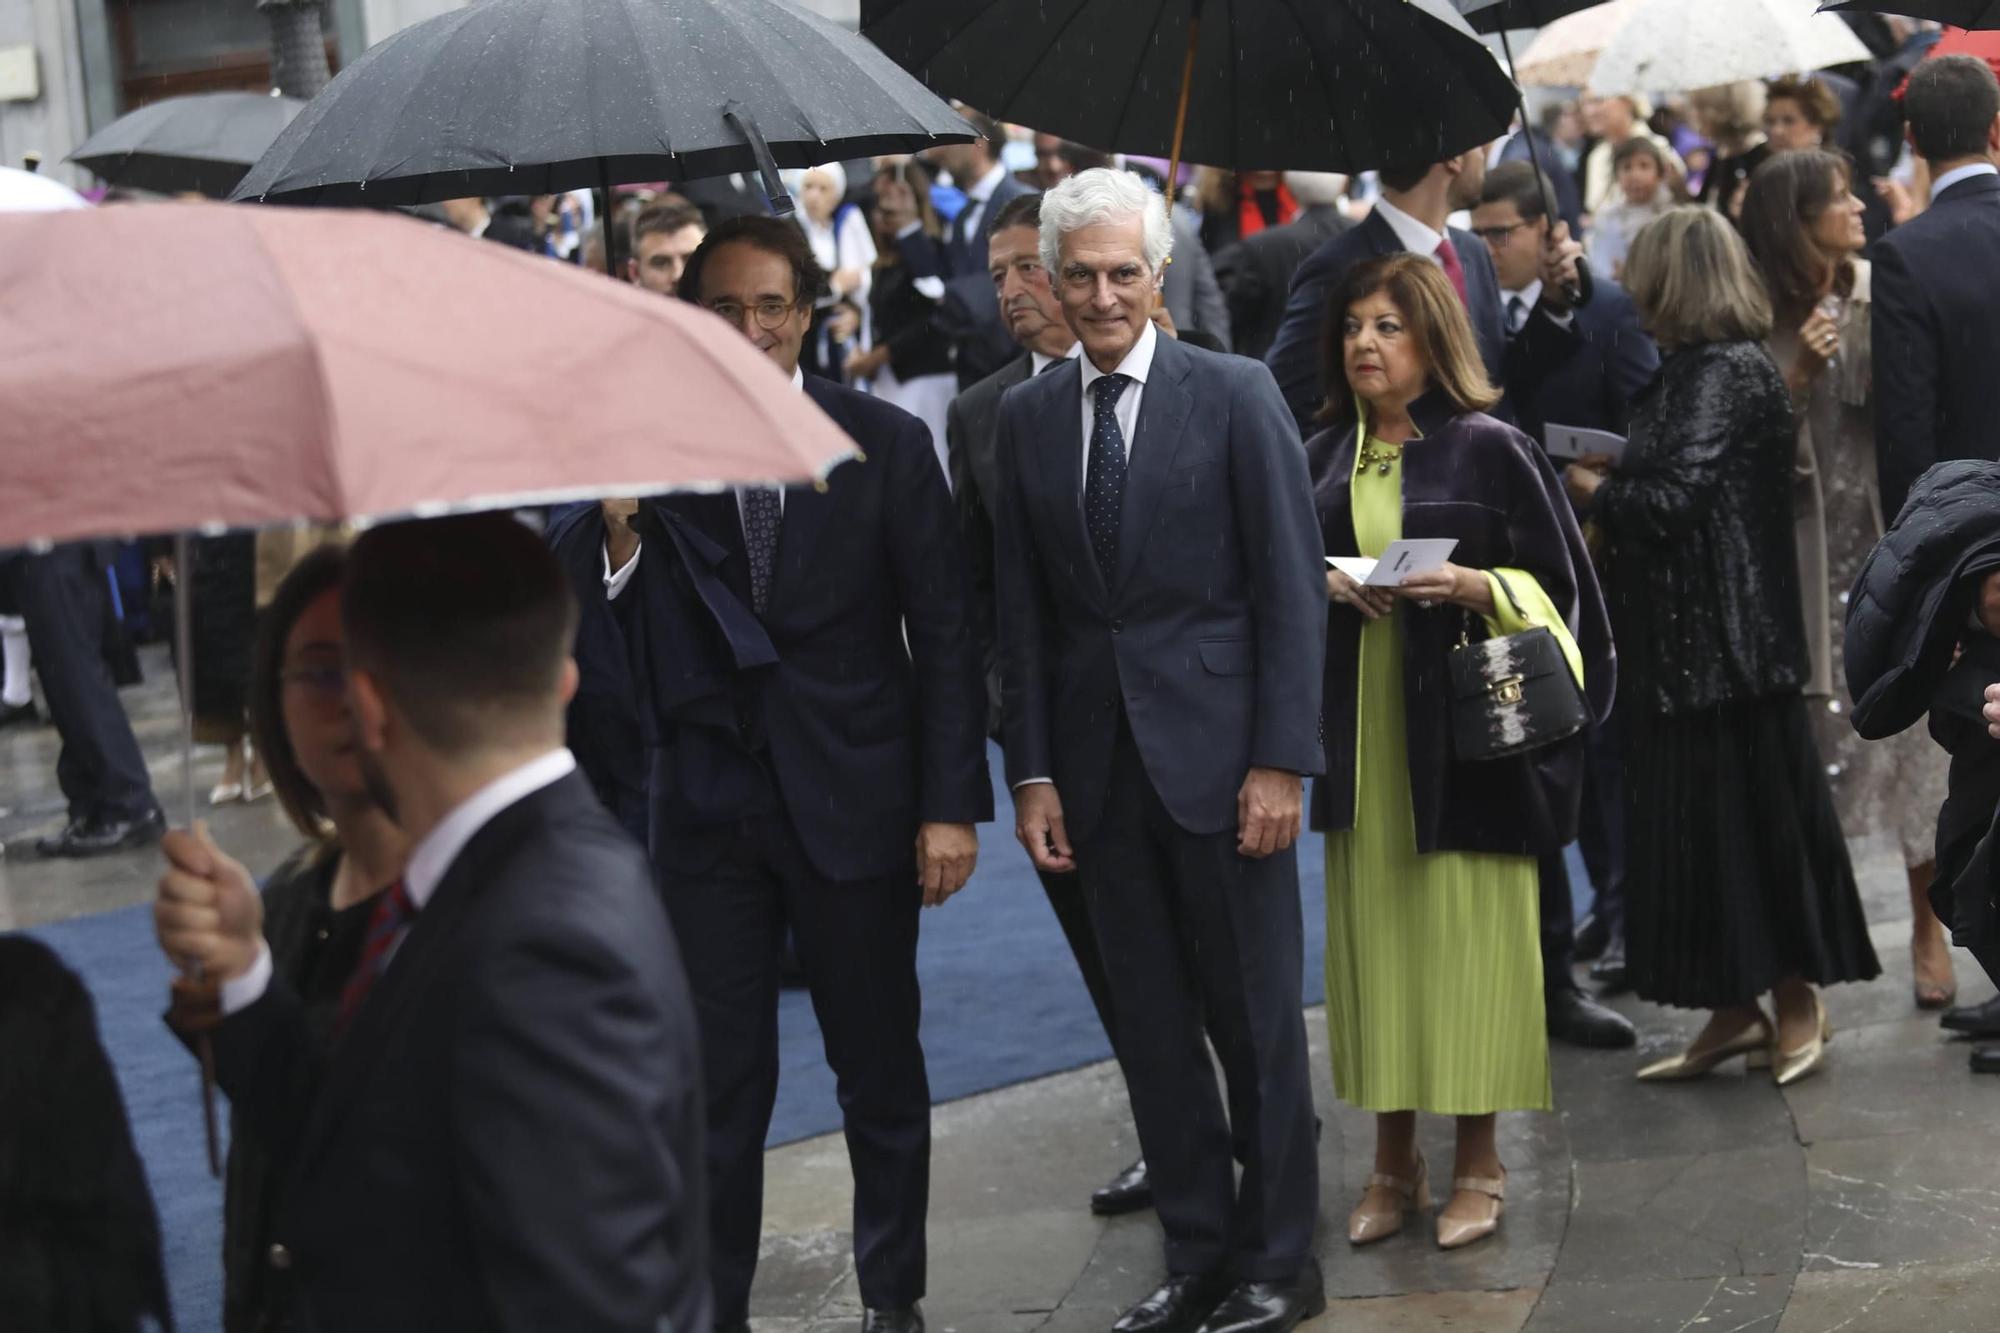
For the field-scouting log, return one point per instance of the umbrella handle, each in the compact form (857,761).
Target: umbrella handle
(745,124)
(1180,111)
(1580,291)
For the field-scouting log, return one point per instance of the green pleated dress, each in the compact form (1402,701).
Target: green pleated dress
(1433,962)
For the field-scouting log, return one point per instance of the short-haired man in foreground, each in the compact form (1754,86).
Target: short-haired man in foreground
(505,1129)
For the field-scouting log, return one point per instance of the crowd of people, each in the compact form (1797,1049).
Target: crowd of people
(1126,468)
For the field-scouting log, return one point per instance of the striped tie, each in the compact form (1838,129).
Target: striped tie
(393,911)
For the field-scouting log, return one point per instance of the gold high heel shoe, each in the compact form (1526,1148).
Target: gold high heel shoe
(1367,1225)
(1754,1043)
(1791,1066)
(1455,1233)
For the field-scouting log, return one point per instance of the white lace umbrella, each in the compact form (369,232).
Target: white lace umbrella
(1672,45)
(31,192)
(1563,53)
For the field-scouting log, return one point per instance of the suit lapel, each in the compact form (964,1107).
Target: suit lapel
(1061,451)
(1156,440)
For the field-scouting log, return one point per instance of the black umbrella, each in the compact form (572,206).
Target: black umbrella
(203,142)
(1330,85)
(542,96)
(1500,15)
(1976,14)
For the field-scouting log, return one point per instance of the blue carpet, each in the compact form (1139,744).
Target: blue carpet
(1002,1003)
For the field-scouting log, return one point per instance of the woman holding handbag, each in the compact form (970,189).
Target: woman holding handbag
(1738,882)
(1453,718)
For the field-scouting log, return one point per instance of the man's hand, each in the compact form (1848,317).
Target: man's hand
(208,914)
(1988,608)
(1038,823)
(1268,812)
(1163,319)
(1581,479)
(946,854)
(621,543)
(1559,277)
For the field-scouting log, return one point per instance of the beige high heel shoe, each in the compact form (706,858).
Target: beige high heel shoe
(1791,1066)
(1754,1043)
(1455,1233)
(1367,1225)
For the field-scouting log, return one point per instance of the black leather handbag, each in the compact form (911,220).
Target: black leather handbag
(1513,693)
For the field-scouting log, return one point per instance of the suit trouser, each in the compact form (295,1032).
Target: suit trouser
(1602,832)
(62,596)
(1558,923)
(857,943)
(1195,937)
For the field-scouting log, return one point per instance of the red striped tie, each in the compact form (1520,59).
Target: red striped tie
(393,911)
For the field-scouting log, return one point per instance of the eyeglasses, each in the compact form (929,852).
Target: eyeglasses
(770,315)
(1495,235)
(326,681)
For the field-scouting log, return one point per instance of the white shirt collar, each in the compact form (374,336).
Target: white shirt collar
(1039,363)
(1528,294)
(1417,237)
(1957,174)
(431,858)
(988,183)
(1138,362)
(798,379)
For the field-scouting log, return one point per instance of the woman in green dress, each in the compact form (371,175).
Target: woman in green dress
(1433,963)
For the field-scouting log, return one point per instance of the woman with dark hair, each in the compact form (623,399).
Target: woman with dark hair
(908,357)
(1800,112)
(318,903)
(1803,224)
(1433,957)
(1738,882)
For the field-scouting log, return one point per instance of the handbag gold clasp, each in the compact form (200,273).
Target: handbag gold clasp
(1507,691)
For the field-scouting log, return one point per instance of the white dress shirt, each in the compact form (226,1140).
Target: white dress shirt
(1527,296)
(976,200)
(1039,363)
(1957,174)
(615,580)
(430,858)
(1418,237)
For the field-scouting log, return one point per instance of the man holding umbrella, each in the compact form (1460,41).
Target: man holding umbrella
(844,801)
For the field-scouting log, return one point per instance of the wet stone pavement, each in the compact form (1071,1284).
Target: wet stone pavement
(1863,1200)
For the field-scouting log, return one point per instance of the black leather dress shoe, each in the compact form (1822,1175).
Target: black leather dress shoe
(1978,1020)
(740,1326)
(1271,1307)
(1581,1021)
(1128,1192)
(100,837)
(1986,1059)
(1609,970)
(16,714)
(1592,937)
(909,1319)
(1179,1306)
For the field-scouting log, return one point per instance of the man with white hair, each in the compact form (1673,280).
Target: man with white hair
(1256,272)
(1163,631)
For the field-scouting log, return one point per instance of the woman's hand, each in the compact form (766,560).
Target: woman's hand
(1372,603)
(846,281)
(1450,583)
(1582,478)
(1819,339)
(1900,201)
(844,323)
(864,365)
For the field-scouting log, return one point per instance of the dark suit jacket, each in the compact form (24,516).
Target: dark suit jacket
(510,1135)
(970,312)
(971,431)
(1936,322)
(1614,359)
(873,716)
(1211,637)
(1256,274)
(1517,365)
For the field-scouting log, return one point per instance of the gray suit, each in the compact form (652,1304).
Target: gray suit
(1193,296)
(1147,697)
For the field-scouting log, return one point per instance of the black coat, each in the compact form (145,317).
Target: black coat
(1935,322)
(1208,639)
(79,1240)
(971,431)
(1486,484)
(1702,571)
(971,311)
(1256,274)
(510,1135)
(906,322)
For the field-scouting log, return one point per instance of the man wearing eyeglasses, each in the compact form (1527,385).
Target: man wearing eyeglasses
(849,799)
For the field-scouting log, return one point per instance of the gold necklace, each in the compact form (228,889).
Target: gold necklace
(1380,455)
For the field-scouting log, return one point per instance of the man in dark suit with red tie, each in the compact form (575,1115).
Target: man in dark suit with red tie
(504,1131)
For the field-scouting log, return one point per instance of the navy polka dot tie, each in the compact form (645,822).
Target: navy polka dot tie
(1104,488)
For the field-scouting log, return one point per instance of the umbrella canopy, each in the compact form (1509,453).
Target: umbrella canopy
(1334,85)
(195,365)
(31,192)
(1499,15)
(541,96)
(1977,14)
(201,143)
(1677,44)
(1563,54)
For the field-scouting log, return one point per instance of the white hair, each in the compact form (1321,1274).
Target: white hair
(1316,189)
(795,178)
(1098,196)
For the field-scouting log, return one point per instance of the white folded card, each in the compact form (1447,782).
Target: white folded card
(1419,555)
(1569,443)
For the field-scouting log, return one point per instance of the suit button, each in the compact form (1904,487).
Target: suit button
(1117,627)
(281,1258)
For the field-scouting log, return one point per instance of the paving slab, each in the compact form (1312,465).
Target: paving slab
(1916,1298)
(1685,1305)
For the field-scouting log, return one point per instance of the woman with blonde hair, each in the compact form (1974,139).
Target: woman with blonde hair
(1433,957)
(1730,115)
(1738,882)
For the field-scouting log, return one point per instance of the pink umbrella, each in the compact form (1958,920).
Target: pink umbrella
(196,366)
